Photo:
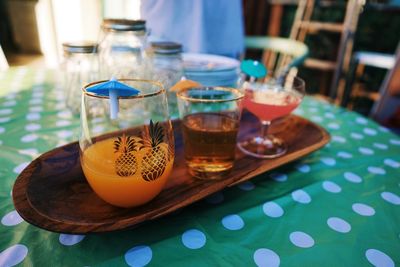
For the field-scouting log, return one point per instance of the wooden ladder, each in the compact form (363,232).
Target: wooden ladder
(303,25)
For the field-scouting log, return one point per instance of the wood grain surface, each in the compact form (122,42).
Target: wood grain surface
(52,192)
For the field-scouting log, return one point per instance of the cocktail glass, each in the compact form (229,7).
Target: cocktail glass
(268,101)
(126,143)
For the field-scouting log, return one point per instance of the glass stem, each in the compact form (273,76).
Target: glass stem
(264,128)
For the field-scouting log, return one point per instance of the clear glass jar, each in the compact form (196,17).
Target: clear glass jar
(167,68)
(81,67)
(121,50)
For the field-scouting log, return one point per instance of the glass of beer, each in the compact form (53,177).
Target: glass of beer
(210,122)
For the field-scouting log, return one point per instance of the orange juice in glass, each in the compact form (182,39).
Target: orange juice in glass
(127,156)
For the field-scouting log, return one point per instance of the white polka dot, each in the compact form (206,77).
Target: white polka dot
(10,103)
(193,239)
(357,136)
(138,256)
(2,130)
(331,187)
(264,257)
(246,186)
(20,167)
(64,134)
(301,239)
(215,198)
(392,163)
(37,94)
(12,218)
(98,129)
(5,111)
(313,110)
(380,146)
(339,225)
(361,120)
(378,258)
(62,123)
(29,138)
(70,240)
(329,115)
(60,105)
(362,209)
(366,151)
(272,209)
(376,170)
(370,131)
(97,120)
(33,152)
(328,161)
(35,101)
(278,177)
(36,109)
(5,119)
(383,129)
(301,196)
(352,177)
(316,118)
(13,255)
(391,198)
(303,168)
(333,126)
(394,142)
(32,127)
(33,116)
(233,222)
(298,112)
(344,155)
(338,139)
(65,114)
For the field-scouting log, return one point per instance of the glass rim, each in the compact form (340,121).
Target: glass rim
(238,93)
(139,96)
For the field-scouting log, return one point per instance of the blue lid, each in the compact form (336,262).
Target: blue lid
(253,68)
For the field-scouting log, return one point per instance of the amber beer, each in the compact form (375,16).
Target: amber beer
(209,144)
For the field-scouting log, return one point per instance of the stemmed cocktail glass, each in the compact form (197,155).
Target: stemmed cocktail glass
(270,100)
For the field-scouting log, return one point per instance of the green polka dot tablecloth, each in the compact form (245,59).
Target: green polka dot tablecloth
(339,206)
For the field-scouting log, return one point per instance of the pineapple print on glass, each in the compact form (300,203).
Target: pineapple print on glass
(128,159)
(126,163)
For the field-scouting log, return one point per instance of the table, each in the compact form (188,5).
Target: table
(339,206)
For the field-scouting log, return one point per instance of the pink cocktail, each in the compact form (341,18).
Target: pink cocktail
(268,105)
(270,101)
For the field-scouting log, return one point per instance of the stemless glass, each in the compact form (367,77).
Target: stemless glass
(127,160)
(210,122)
(268,101)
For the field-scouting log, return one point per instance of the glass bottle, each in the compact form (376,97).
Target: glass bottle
(167,68)
(121,50)
(81,67)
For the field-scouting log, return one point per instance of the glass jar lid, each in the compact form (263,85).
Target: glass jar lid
(166,47)
(124,25)
(84,47)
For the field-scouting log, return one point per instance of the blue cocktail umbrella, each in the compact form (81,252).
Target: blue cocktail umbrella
(253,68)
(113,89)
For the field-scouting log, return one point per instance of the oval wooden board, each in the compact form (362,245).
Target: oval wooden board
(52,193)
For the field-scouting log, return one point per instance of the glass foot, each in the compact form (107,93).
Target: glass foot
(263,147)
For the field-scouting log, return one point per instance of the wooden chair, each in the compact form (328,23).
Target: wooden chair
(279,54)
(388,103)
(3,60)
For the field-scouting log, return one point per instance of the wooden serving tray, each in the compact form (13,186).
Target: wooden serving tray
(52,192)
